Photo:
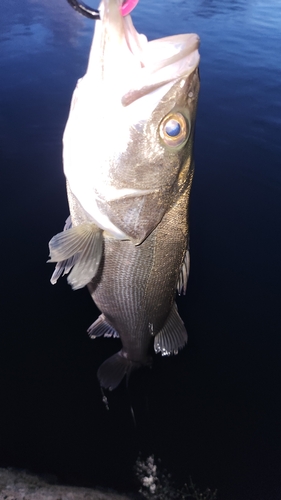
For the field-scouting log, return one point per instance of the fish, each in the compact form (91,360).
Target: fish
(128,162)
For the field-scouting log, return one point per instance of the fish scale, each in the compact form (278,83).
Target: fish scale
(132,301)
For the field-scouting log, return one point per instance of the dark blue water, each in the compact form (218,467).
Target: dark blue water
(214,411)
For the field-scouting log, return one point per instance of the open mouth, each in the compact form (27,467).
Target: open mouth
(161,61)
(170,57)
(142,65)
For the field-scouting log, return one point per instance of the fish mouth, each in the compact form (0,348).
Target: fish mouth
(135,65)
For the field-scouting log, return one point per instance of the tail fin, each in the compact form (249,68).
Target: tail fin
(114,369)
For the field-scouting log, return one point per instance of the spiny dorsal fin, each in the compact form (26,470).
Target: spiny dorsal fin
(101,327)
(78,248)
(173,335)
(184,273)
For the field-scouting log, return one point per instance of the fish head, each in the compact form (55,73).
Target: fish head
(128,140)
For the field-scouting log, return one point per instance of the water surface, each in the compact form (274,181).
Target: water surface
(214,411)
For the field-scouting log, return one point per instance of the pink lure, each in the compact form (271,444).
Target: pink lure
(128,6)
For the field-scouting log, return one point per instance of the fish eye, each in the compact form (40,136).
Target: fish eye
(174,129)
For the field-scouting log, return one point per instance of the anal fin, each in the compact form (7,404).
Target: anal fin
(173,335)
(101,327)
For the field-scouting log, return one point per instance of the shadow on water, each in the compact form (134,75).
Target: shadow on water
(210,8)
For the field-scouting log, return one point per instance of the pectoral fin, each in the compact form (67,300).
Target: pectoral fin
(101,327)
(173,335)
(78,248)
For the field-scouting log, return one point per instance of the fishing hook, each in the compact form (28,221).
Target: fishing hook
(84,9)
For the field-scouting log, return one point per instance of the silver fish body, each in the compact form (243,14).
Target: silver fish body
(128,160)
